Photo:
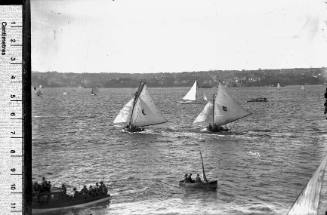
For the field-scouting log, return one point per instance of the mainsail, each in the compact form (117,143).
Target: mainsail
(140,112)
(205,115)
(313,199)
(191,94)
(226,110)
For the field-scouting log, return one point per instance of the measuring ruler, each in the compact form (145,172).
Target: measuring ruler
(11,109)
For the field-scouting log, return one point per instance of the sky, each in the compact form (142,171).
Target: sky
(149,36)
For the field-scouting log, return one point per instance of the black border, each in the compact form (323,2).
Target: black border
(26,98)
(12,2)
(26,104)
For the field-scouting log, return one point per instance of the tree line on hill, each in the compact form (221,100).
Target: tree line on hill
(206,79)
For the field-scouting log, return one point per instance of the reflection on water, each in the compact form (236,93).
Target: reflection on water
(261,165)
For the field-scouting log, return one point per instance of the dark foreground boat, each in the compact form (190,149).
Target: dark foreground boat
(205,185)
(210,185)
(258,100)
(56,199)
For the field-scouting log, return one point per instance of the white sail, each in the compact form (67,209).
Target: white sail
(191,94)
(124,114)
(205,115)
(205,98)
(278,85)
(226,109)
(313,199)
(145,112)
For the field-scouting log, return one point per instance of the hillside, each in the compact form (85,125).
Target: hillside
(232,78)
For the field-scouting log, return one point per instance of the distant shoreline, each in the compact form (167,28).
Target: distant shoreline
(205,79)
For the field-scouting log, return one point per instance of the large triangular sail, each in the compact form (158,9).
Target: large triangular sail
(226,109)
(313,199)
(205,115)
(191,94)
(140,112)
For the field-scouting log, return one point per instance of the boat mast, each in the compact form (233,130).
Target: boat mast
(137,94)
(204,174)
(196,91)
(213,109)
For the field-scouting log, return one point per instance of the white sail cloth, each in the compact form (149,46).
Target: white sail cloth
(191,94)
(124,114)
(144,112)
(205,115)
(312,200)
(227,110)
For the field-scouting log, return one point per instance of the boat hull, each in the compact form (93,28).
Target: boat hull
(258,100)
(211,185)
(69,207)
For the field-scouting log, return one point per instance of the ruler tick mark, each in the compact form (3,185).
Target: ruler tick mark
(16,156)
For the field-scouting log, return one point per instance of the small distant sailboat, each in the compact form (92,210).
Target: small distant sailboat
(38,91)
(278,85)
(94,91)
(192,96)
(139,112)
(313,199)
(221,111)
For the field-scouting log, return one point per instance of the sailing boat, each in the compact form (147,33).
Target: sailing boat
(192,96)
(203,185)
(313,199)
(278,85)
(38,91)
(94,91)
(221,111)
(139,112)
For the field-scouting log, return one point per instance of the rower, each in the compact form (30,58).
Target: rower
(186,178)
(84,191)
(198,179)
(190,180)
(63,187)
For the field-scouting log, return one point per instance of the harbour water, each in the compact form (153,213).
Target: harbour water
(261,165)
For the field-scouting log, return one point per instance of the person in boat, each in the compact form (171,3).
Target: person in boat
(84,191)
(103,188)
(186,178)
(189,178)
(64,190)
(76,193)
(198,179)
